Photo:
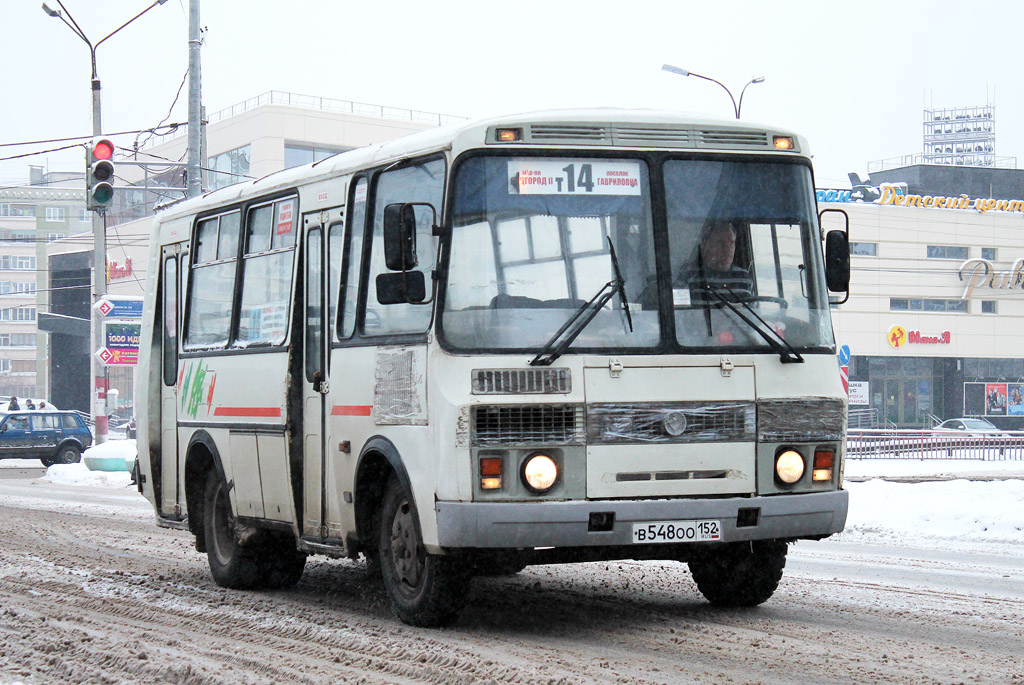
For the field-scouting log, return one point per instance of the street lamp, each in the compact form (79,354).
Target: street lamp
(99,275)
(736,107)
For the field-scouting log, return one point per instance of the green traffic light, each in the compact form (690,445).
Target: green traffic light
(102,193)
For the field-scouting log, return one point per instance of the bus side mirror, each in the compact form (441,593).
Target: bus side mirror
(400,236)
(403,287)
(837,261)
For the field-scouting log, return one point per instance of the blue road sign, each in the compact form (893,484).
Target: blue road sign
(844,355)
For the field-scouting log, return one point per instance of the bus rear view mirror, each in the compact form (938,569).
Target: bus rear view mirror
(401,288)
(837,261)
(400,237)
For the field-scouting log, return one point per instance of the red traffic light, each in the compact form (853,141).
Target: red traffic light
(102,149)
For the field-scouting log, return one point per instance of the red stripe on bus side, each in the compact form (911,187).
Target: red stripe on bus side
(247,411)
(351,410)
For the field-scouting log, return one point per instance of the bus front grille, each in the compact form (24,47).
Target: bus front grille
(528,424)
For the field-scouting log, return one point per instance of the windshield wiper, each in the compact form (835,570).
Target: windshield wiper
(621,284)
(787,353)
(590,308)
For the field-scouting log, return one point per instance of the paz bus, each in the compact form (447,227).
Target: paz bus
(505,343)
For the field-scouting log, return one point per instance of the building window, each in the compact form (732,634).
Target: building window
(23,366)
(17,209)
(864,249)
(17,288)
(297,155)
(904,304)
(84,215)
(946,252)
(229,167)
(17,263)
(5,365)
(988,253)
(54,237)
(55,214)
(18,314)
(988,306)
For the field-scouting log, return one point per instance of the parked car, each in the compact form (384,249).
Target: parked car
(57,437)
(967,426)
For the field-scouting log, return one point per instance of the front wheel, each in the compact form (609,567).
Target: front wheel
(425,589)
(740,574)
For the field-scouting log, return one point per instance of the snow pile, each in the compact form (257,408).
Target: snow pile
(79,474)
(977,511)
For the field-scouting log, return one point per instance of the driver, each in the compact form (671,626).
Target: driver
(715,267)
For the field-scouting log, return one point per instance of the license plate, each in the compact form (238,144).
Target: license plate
(677,531)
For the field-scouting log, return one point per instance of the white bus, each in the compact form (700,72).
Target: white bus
(545,338)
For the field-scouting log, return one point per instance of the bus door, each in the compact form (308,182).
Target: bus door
(320,509)
(168,311)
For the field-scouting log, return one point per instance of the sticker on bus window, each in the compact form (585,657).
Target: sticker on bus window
(573,177)
(285,217)
(360,194)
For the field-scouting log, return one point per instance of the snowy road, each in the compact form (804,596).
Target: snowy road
(91,590)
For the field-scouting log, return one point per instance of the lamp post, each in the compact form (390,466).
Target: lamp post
(99,272)
(736,107)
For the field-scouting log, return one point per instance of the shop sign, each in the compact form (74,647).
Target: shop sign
(975,273)
(859,393)
(117,271)
(898,336)
(895,194)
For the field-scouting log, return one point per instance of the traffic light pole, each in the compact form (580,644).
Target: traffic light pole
(98,393)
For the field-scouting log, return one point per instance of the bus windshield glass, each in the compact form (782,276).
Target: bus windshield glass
(531,241)
(743,244)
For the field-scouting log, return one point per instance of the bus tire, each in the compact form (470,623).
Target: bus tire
(425,590)
(232,565)
(740,574)
(281,564)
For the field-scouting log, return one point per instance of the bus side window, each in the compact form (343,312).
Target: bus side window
(267,273)
(422,182)
(352,259)
(213,281)
(170,320)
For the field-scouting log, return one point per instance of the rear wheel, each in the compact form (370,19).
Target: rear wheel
(740,574)
(424,589)
(65,454)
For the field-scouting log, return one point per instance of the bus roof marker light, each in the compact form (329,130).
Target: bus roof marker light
(509,135)
(783,142)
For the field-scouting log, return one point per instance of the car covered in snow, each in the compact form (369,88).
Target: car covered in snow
(57,437)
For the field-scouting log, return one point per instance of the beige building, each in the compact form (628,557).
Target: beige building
(936,312)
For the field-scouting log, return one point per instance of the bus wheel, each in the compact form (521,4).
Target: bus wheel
(740,574)
(281,564)
(231,565)
(425,589)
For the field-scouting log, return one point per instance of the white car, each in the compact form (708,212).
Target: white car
(967,426)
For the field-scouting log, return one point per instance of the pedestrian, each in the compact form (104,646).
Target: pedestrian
(13,404)
(29,404)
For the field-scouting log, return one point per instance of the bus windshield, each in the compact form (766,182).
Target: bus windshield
(532,241)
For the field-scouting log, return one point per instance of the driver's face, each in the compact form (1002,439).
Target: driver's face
(719,248)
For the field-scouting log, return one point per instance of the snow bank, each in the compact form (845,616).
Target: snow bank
(79,474)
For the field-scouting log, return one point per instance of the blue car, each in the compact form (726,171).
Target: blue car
(57,437)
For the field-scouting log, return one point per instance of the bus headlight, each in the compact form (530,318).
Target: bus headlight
(789,466)
(539,472)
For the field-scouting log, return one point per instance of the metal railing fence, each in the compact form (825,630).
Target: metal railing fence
(867,443)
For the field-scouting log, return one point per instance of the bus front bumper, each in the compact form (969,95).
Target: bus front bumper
(569,524)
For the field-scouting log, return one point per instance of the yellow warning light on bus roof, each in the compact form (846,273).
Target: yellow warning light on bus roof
(509,135)
(783,142)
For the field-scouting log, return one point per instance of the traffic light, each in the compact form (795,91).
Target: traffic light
(99,174)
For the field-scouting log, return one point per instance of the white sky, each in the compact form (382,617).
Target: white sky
(853,77)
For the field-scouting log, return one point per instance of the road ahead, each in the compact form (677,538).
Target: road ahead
(91,590)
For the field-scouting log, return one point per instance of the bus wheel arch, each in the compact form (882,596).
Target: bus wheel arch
(202,458)
(379,460)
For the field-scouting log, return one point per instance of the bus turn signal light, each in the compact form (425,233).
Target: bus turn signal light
(824,460)
(490,473)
